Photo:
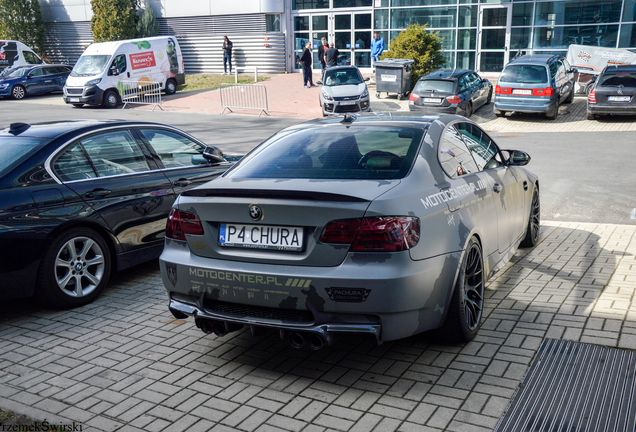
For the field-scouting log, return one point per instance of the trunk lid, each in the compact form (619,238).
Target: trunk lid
(303,206)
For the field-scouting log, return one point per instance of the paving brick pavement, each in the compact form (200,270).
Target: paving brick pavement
(123,363)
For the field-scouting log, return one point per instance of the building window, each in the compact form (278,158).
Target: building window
(351,3)
(272,23)
(310,4)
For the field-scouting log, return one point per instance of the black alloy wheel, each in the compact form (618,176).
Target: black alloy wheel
(467,304)
(534,221)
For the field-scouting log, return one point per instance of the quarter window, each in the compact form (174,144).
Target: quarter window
(115,153)
(174,150)
(483,149)
(73,165)
(454,156)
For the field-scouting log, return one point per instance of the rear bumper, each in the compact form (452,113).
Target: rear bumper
(609,109)
(396,297)
(528,105)
(453,109)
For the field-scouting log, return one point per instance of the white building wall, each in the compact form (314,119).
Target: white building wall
(80,10)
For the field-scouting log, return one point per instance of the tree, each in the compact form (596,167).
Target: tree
(424,47)
(21,20)
(147,25)
(114,19)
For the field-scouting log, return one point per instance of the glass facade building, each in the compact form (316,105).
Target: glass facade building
(482,35)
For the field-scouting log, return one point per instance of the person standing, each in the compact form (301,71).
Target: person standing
(377,47)
(331,55)
(305,60)
(321,53)
(227,54)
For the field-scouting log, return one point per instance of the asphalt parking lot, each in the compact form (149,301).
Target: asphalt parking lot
(123,363)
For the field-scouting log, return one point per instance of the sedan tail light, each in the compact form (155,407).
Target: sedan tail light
(181,223)
(376,234)
(591,98)
(454,99)
(413,97)
(498,89)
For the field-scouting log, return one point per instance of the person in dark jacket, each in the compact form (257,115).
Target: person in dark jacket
(227,54)
(306,60)
(321,53)
(331,55)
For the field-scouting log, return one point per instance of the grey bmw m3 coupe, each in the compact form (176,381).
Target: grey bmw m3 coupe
(383,225)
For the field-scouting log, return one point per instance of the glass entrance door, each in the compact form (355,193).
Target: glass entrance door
(351,33)
(494,37)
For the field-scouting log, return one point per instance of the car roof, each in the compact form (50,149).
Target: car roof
(452,74)
(408,119)
(342,67)
(541,59)
(619,68)
(54,129)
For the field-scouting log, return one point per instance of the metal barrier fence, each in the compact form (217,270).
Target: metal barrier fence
(140,92)
(249,96)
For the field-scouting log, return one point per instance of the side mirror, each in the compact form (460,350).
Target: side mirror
(518,158)
(319,82)
(113,71)
(573,70)
(485,80)
(213,155)
(367,79)
(29,76)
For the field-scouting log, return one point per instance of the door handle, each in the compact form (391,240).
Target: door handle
(97,193)
(182,182)
(496,188)
(525,185)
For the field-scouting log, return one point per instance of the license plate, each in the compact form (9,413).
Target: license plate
(261,237)
(432,100)
(522,91)
(73,99)
(347,103)
(388,78)
(619,98)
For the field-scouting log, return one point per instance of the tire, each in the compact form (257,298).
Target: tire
(171,87)
(78,105)
(553,114)
(469,110)
(111,99)
(467,304)
(570,97)
(18,92)
(60,283)
(534,221)
(591,116)
(489,97)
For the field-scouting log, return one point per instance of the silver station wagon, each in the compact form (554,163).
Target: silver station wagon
(383,225)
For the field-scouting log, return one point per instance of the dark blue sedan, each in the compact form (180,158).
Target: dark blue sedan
(34,79)
(450,91)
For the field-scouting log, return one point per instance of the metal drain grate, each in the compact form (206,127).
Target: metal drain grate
(574,387)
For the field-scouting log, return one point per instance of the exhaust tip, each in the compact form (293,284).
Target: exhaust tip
(296,340)
(315,341)
(205,326)
(219,328)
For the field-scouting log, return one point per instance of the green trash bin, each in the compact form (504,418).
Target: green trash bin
(393,76)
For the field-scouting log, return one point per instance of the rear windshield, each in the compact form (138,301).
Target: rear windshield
(526,74)
(626,80)
(14,150)
(442,86)
(370,152)
(342,77)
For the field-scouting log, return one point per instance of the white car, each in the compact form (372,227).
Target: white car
(343,90)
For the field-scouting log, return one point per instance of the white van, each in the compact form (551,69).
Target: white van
(14,53)
(101,73)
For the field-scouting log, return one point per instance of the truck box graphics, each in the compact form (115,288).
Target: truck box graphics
(8,53)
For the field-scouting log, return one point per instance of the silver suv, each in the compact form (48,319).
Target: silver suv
(343,90)
(535,84)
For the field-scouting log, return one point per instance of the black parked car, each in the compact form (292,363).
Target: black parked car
(30,80)
(451,91)
(80,199)
(613,92)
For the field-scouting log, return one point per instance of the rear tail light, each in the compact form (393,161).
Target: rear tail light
(377,234)
(498,89)
(413,97)
(591,98)
(454,99)
(548,91)
(181,223)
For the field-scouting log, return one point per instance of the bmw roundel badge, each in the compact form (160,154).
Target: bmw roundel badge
(255,212)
